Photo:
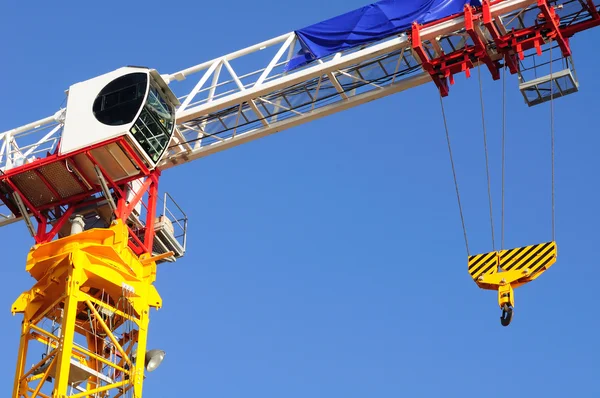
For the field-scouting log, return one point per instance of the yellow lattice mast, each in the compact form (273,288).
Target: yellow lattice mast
(99,293)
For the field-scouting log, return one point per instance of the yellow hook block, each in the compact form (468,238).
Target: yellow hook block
(506,270)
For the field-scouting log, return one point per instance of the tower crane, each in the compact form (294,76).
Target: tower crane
(84,181)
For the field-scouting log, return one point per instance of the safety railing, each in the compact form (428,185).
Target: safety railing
(29,142)
(177,218)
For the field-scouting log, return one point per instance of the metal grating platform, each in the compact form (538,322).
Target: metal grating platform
(34,189)
(549,87)
(61,179)
(48,184)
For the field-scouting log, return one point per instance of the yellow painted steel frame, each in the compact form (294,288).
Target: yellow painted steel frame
(506,270)
(82,281)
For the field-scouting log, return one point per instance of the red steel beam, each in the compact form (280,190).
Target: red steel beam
(151,212)
(553,22)
(73,201)
(135,243)
(480,47)
(510,58)
(105,174)
(7,200)
(47,237)
(592,9)
(26,201)
(51,159)
(138,196)
(417,46)
(41,230)
(83,195)
(569,31)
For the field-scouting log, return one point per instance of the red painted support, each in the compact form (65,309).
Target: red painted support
(480,48)
(86,198)
(135,243)
(138,197)
(134,156)
(440,81)
(8,202)
(110,182)
(553,22)
(510,58)
(592,9)
(36,213)
(515,43)
(151,213)
(443,68)
(120,208)
(48,236)
(570,30)
(53,158)
(41,230)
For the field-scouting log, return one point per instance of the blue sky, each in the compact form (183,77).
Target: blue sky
(329,260)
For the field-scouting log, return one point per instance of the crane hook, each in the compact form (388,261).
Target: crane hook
(507,313)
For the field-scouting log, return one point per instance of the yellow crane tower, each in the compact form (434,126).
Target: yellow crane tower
(84,181)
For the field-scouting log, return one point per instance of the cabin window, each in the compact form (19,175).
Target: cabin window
(120,100)
(154,127)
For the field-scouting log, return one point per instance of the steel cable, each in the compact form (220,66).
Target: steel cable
(462,218)
(503,152)
(552,144)
(487,163)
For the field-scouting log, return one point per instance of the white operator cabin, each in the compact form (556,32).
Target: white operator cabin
(130,102)
(133,103)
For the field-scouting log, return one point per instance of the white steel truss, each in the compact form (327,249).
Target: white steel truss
(249,94)
(242,107)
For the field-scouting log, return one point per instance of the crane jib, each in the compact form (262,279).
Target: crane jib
(224,108)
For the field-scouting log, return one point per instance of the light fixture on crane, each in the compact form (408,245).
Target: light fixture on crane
(153,359)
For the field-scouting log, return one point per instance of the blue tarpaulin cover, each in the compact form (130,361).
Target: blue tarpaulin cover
(369,23)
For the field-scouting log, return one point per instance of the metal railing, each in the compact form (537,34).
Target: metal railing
(177,217)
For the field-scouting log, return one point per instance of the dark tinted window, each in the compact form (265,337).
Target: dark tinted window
(120,100)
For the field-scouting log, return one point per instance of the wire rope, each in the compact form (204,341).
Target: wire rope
(487,163)
(552,136)
(503,153)
(462,218)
